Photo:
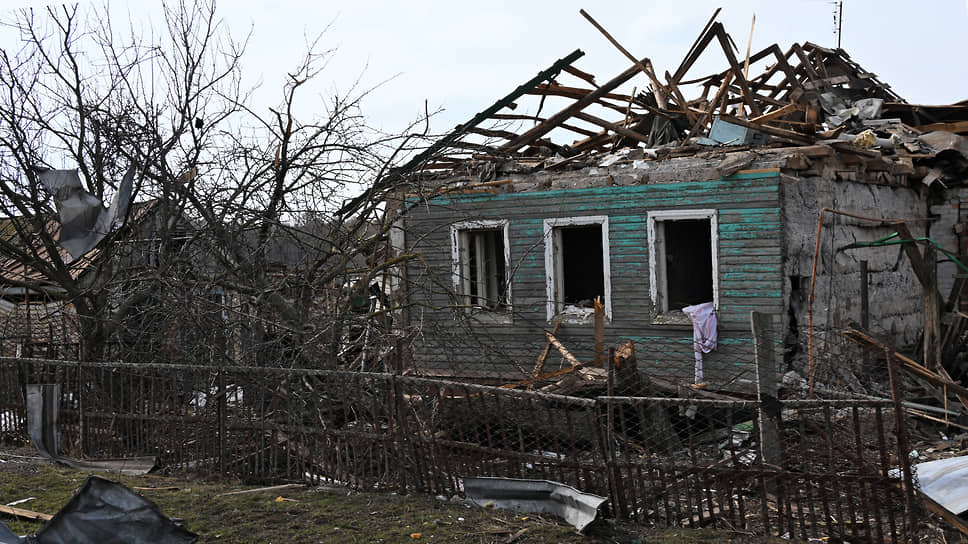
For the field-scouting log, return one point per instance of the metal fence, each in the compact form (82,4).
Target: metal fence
(662,461)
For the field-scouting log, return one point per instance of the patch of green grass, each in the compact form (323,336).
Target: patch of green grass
(305,516)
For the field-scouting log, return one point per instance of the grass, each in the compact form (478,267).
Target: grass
(303,515)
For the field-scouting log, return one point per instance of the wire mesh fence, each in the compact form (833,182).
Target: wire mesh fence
(833,470)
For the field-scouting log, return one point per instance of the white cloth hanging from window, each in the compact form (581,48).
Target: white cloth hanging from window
(703,332)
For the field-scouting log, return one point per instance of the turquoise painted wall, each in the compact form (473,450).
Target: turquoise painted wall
(750,276)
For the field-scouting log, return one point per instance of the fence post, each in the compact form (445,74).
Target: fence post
(396,414)
(81,425)
(221,415)
(766,389)
(902,446)
(614,473)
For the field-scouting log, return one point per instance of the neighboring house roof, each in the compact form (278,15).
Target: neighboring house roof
(15,272)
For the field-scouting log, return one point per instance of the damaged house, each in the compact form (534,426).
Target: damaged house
(700,190)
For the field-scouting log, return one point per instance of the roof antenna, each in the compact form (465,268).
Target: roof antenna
(838,19)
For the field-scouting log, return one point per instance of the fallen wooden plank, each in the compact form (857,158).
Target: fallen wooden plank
(925,415)
(541,377)
(563,350)
(780,112)
(612,126)
(539,365)
(21,513)
(906,362)
(261,489)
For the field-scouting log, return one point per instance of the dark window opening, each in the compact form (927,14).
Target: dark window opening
(689,266)
(582,270)
(484,271)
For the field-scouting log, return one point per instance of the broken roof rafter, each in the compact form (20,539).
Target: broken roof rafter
(543,128)
(798,94)
(450,138)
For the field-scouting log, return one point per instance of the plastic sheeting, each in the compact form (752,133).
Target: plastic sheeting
(106,512)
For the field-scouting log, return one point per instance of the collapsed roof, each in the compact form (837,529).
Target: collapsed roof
(805,95)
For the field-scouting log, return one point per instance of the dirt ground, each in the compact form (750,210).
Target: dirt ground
(313,515)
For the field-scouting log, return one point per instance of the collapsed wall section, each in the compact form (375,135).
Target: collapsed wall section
(894,302)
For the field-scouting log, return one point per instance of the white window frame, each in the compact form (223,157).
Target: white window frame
(459,261)
(657,265)
(554,283)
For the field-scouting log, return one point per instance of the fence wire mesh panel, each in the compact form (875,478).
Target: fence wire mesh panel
(16,373)
(691,462)
(451,430)
(163,410)
(831,468)
(13,411)
(321,426)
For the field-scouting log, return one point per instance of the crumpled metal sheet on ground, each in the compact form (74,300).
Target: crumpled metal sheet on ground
(42,427)
(945,481)
(106,512)
(577,508)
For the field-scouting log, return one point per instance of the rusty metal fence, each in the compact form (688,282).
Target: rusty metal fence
(661,461)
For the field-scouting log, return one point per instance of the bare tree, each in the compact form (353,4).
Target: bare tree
(246,242)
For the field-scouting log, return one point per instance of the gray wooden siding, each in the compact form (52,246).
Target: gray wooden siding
(750,277)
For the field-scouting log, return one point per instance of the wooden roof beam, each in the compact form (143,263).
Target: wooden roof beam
(618,129)
(580,104)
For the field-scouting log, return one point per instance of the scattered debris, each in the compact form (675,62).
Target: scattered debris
(104,512)
(945,481)
(807,95)
(577,508)
(21,513)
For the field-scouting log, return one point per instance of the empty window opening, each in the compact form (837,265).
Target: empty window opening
(682,251)
(582,275)
(688,261)
(577,266)
(481,265)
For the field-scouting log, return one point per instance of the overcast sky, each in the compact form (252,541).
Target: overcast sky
(462,56)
